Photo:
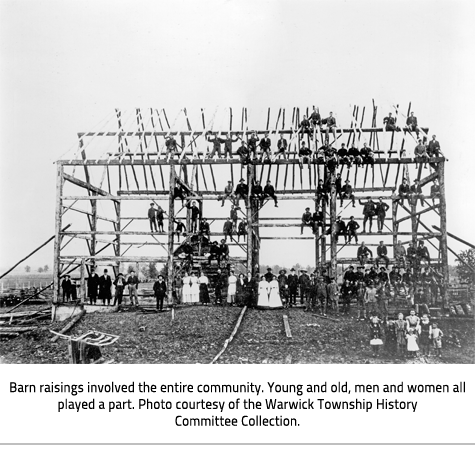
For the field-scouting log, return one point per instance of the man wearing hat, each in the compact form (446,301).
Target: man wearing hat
(283,287)
(411,123)
(293,283)
(382,252)
(359,275)
(381,209)
(152,217)
(400,254)
(282,147)
(347,192)
(404,191)
(322,193)
(195,215)
(66,286)
(257,193)
(383,277)
(228,193)
(213,252)
(160,291)
(119,284)
(269,276)
(363,254)
(307,221)
(180,229)
(367,154)
(228,229)
(333,294)
(170,144)
(265,147)
(216,141)
(252,144)
(269,191)
(390,122)
(243,153)
(228,145)
(369,210)
(304,282)
(204,228)
(241,191)
(350,275)
(340,229)
(351,228)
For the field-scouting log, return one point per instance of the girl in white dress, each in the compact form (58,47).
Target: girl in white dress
(195,288)
(274,296)
(232,280)
(263,296)
(186,290)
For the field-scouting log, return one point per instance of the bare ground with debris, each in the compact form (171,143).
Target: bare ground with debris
(197,334)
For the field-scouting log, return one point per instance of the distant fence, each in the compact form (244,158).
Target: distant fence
(24,282)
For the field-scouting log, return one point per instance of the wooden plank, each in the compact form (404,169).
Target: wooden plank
(288,333)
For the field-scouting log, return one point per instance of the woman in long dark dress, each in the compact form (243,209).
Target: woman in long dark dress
(241,290)
(204,291)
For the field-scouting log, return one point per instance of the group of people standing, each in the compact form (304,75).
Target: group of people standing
(406,336)
(100,287)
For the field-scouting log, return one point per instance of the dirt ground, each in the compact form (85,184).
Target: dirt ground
(198,333)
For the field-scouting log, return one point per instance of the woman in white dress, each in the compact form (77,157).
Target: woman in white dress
(232,280)
(263,294)
(186,290)
(195,288)
(274,296)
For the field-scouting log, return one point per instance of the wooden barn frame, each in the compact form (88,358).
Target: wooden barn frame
(133,167)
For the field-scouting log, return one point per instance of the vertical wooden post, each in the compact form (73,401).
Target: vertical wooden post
(333,268)
(443,231)
(252,212)
(395,225)
(118,228)
(171,218)
(317,242)
(323,240)
(82,286)
(58,237)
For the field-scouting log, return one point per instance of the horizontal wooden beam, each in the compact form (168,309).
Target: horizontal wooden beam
(70,208)
(84,185)
(188,162)
(222,133)
(278,191)
(418,213)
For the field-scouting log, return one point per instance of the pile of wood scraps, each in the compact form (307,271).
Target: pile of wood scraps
(15,323)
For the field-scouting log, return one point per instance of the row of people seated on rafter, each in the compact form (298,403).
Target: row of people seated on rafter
(412,257)
(248,149)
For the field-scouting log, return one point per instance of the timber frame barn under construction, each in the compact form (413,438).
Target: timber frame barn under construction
(125,164)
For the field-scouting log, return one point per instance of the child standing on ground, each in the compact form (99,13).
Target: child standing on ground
(401,326)
(375,333)
(425,336)
(437,336)
(412,347)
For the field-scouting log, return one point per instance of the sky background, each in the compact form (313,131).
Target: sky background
(65,66)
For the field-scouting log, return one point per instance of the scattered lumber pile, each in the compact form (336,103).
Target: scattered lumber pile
(15,323)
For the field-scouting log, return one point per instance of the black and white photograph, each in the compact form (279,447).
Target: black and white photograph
(235,183)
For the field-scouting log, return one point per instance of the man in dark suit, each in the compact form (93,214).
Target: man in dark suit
(381,209)
(160,291)
(92,286)
(269,191)
(66,286)
(382,252)
(304,282)
(105,284)
(152,217)
(265,145)
(307,220)
(282,146)
(293,283)
(241,192)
